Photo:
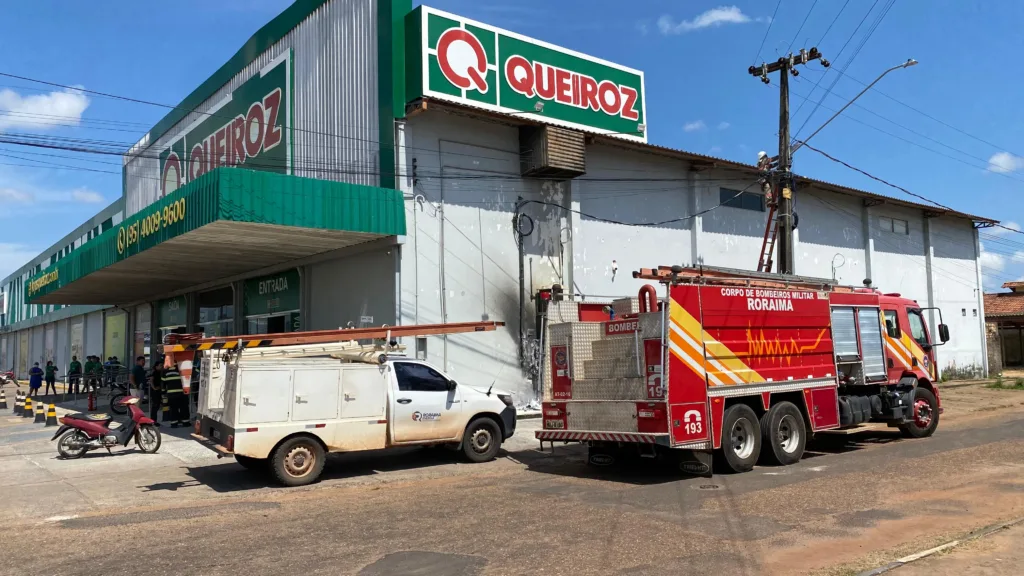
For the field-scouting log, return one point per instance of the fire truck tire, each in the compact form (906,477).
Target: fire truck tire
(298,461)
(482,440)
(925,416)
(784,434)
(741,439)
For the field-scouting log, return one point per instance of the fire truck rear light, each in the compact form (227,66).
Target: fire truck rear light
(230,444)
(544,295)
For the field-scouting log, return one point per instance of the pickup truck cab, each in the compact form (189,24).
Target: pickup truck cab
(286,408)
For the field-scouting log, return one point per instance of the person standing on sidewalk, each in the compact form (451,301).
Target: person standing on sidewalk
(51,377)
(176,397)
(35,380)
(137,377)
(74,375)
(156,395)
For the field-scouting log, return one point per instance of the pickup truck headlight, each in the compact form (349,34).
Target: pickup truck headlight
(506,399)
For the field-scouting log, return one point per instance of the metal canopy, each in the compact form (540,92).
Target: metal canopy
(225,223)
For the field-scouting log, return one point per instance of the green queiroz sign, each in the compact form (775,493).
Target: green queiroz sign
(459,60)
(250,128)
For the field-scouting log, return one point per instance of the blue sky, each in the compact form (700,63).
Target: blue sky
(694,54)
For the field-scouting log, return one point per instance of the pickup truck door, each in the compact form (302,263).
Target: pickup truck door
(425,404)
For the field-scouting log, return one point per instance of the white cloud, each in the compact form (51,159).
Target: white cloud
(711,18)
(1000,230)
(694,126)
(991,260)
(723,125)
(41,111)
(715,150)
(1003,162)
(642,28)
(14,256)
(86,196)
(12,195)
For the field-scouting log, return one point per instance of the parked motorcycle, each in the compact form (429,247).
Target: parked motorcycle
(80,433)
(8,378)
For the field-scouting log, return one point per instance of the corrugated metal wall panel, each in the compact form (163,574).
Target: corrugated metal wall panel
(335,121)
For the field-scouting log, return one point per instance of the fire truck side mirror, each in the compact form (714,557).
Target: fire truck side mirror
(943,333)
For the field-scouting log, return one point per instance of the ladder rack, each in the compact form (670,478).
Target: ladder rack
(192,342)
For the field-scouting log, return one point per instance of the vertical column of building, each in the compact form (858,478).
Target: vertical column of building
(929,269)
(980,292)
(869,241)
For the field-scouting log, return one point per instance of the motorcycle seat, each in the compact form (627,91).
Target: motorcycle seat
(89,417)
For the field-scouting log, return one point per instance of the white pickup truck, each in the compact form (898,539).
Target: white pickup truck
(286,407)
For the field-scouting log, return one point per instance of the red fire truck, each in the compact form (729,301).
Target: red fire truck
(738,365)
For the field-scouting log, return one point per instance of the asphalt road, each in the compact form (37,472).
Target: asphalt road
(853,503)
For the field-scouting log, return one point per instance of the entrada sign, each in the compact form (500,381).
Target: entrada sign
(250,127)
(459,60)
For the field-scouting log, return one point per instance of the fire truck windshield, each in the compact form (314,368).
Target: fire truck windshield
(917,330)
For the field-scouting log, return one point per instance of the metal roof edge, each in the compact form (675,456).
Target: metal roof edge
(268,35)
(424,104)
(82,228)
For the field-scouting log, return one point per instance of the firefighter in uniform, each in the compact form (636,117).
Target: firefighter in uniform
(176,398)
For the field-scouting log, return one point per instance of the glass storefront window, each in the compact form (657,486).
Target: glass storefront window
(141,342)
(272,303)
(217,312)
(171,316)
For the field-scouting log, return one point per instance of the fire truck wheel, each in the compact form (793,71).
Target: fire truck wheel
(784,434)
(298,461)
(925,417)
(482,440)
(741,438)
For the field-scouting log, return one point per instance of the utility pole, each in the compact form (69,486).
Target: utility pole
(782,175)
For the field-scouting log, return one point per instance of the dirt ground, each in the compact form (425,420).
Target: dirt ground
(1000,553)
(854,503)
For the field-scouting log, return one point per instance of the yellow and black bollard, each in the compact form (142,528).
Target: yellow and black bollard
(19,403)
(3,400)
(51,416)
(40,413)
(27,412)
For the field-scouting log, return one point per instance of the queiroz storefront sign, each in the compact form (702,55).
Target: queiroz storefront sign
(250,128)
(459,60)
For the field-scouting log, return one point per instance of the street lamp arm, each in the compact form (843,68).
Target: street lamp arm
(799,143)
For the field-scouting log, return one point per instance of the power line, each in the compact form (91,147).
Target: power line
(900,188)
(770,23)
(800,29)
(834,20)
(864,40)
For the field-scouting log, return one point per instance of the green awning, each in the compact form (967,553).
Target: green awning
(225,223)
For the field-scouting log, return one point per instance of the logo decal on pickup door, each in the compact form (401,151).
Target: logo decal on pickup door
(426,416)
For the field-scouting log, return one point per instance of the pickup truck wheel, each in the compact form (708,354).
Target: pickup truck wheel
(741,439)
(925,416)
(252,464)
(783,434)
(482,440)
(298,461)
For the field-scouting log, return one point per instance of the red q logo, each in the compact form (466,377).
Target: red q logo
(462,59)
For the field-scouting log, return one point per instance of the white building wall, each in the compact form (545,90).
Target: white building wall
(830,235)
(956,292)
(460,261)
(633,187)
(37,350)
(343,292)
(61,355)
(898,260)
(729,237)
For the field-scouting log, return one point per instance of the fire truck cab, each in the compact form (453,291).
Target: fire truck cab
(738,365)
